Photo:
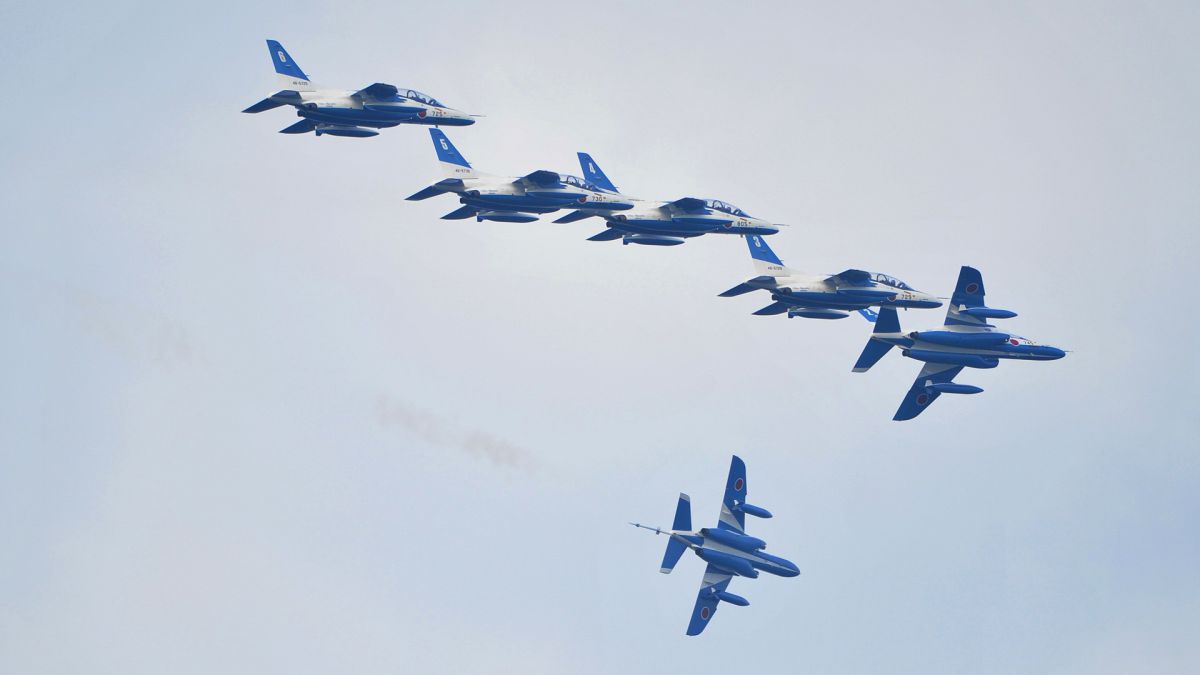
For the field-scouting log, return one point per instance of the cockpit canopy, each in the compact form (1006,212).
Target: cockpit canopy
(725,207)
(891,281)
(423,98)
(578,182)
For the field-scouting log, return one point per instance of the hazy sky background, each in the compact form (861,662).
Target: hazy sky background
(259,414)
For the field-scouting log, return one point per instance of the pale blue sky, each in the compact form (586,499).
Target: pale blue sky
(262,415)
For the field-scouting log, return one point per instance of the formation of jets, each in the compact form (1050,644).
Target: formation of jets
(727,549)
(966,340)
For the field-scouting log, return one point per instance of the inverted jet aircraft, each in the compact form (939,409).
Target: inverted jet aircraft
(655,223)
(823,296)
(508,199)
(965,341)
(727,549)
(342,112)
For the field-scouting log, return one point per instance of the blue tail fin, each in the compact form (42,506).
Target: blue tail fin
(452,161)
(766,263)
(592,172)
(683,522)
(287,68)
(886,321)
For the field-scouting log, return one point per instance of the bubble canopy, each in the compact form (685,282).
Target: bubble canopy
(725,207)
(415,95)
(892,281)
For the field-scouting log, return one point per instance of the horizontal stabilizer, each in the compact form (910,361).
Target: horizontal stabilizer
(574,217)
(740,289)
(301,127)
(607,235)
(871,354)
(773,309)
(438,188)
(265,104)
(461,213)
(431,191)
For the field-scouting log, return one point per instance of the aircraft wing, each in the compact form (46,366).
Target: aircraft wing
(378,91)
(706,600)
(689,205)
(968,292)
(543,178)
(732,517)
(920,395)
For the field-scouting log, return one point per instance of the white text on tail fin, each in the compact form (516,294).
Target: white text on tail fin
(287,70)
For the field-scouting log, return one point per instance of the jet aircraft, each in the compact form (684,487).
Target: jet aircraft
(357,114)
(509,199)
(965,341)
(822,296)
(727,549)
(656,223)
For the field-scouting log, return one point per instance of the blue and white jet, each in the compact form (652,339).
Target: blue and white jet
(727,549)
(659,223)
(965,341)
(510,199)
(824,296)
(345,112)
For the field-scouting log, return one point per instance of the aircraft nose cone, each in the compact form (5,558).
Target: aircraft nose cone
(792,567)
(1051,353)
(770,229)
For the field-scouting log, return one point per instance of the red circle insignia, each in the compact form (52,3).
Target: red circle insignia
(922,399)
(737,484)
(972,288)
(705,613)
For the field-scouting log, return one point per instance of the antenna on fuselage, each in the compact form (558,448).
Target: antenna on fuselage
(655,530)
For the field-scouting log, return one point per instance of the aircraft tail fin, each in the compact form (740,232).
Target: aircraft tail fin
(683,522)
(452,161)
(593,173)
(886,321)
(287,69)
(766,263)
